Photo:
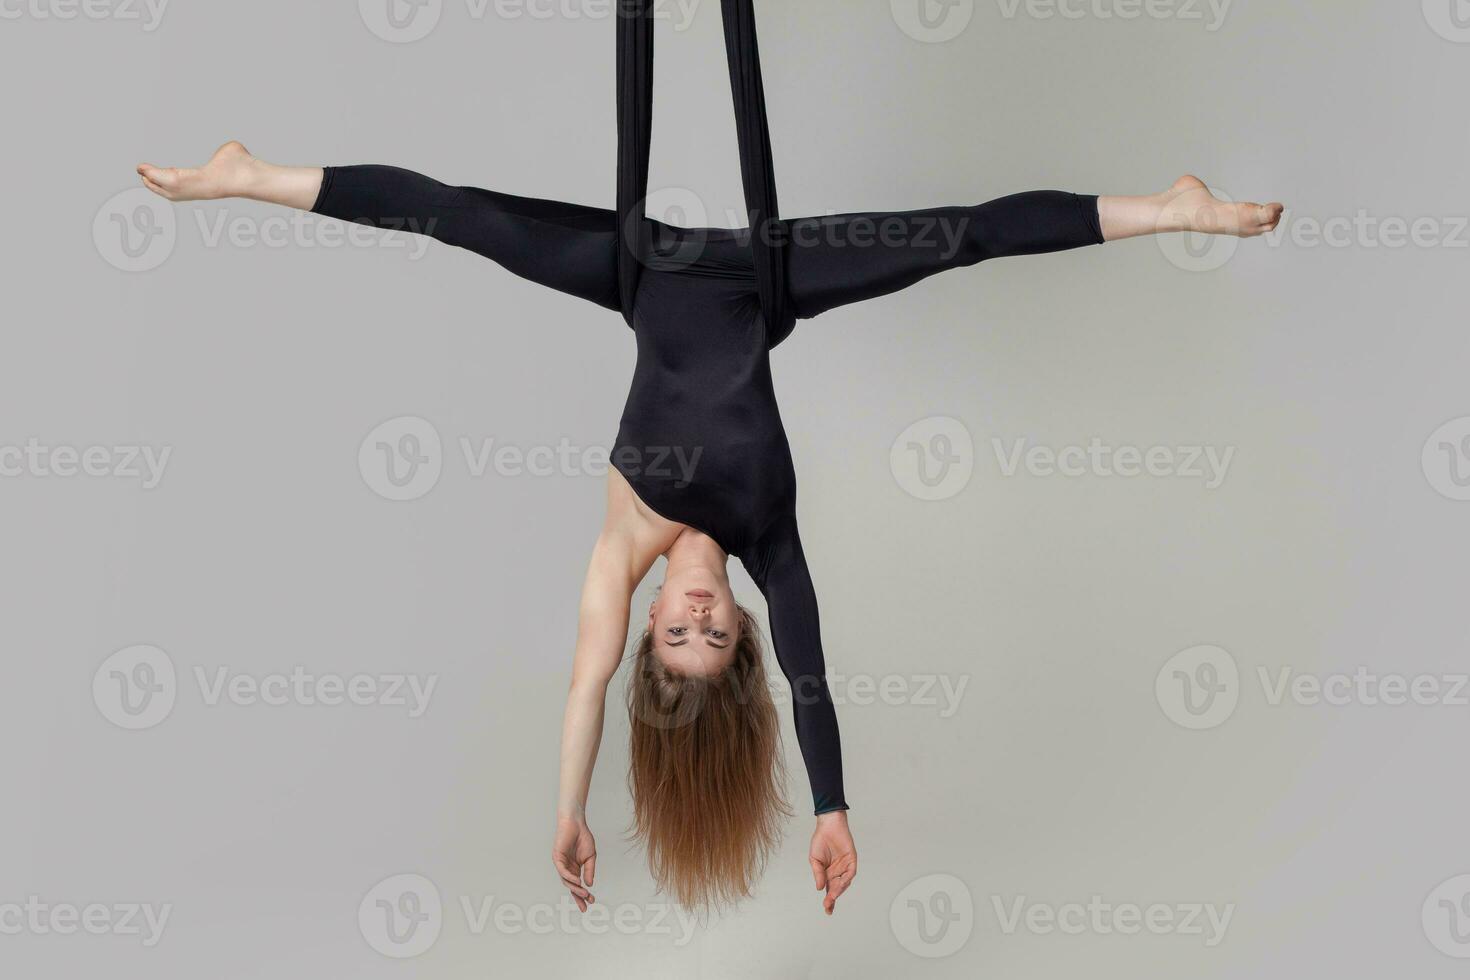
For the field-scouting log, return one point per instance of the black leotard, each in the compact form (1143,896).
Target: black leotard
(701,440)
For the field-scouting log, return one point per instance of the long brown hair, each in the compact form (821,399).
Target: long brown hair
(706,773)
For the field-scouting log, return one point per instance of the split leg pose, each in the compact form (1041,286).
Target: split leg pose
(1186,206)
(704,768)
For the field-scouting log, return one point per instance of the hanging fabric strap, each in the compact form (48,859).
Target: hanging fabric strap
(757,171)
(635,132)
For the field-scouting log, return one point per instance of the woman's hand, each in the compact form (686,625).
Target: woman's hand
(574,852)
(833,857)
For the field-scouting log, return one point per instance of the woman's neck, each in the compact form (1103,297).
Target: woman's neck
(695,550)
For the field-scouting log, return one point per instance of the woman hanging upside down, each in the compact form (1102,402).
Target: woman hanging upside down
(702,469)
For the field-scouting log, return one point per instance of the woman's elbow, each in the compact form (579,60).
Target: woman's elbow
(589,684)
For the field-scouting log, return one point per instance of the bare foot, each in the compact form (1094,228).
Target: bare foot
(227,174)
(1189,206)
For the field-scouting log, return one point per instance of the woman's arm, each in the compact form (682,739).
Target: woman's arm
(779,568)
(602,632)
(625,551)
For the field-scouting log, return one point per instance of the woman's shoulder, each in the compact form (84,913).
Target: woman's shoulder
(633,525)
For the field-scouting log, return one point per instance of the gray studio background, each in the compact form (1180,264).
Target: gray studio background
(1069,611)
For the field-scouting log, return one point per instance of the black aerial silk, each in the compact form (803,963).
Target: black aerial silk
(753,134)
(701,440)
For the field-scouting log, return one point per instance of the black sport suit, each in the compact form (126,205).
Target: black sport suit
(706,307)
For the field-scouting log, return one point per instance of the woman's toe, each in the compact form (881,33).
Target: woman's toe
(162,176)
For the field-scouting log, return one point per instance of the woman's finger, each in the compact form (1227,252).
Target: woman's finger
(573,883)
(836,886)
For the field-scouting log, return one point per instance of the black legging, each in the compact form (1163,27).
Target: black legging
(831,261)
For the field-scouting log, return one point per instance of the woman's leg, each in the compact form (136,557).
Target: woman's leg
(835,261)
(567,247)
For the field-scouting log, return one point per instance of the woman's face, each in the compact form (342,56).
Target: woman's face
(695,623)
